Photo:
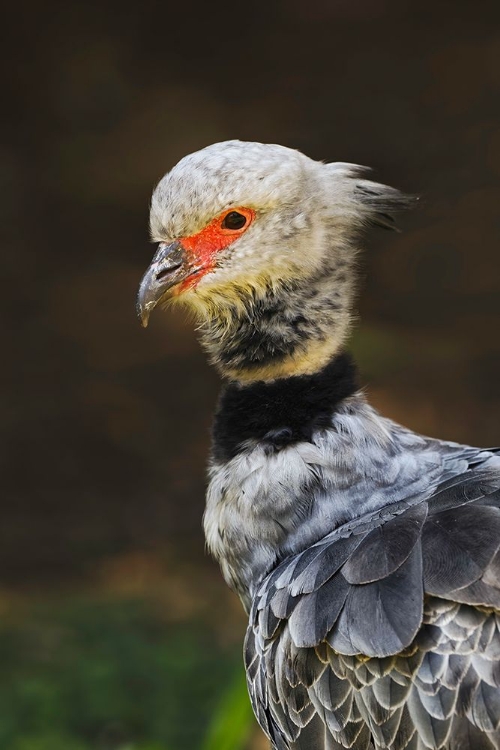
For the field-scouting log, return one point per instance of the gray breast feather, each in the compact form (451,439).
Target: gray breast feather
(387,635)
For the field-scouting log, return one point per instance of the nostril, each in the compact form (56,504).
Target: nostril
(167,271)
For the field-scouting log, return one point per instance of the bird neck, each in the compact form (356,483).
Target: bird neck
(282,412)
(270,331)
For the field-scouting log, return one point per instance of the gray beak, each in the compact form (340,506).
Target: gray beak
(168,267)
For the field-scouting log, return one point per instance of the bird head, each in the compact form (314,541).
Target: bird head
(239,222)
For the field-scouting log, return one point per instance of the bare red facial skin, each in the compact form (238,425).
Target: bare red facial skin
(202,248)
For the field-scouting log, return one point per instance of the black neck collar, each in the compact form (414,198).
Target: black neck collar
(283,411)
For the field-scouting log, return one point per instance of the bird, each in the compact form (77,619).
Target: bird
(365,555)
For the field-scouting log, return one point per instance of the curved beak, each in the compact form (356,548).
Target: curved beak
(168,267)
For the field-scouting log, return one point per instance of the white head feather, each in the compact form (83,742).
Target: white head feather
(307,218)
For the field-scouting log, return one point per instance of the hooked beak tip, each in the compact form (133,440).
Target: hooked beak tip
(143,314)
(169,267)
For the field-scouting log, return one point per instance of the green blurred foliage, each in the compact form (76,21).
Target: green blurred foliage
(114,676)
(231,723)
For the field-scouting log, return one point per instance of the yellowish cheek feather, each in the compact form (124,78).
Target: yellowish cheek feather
(313,358)
(217,305)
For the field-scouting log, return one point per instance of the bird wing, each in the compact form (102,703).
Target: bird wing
(386,633)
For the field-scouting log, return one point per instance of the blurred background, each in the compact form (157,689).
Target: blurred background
(116,631)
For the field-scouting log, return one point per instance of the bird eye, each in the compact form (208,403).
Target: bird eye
(234,220)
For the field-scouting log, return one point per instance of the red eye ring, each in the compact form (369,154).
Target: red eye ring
(203,246)
(236,220)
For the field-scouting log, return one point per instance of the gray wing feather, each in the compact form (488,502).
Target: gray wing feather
(317,612)
(458,545)
(370,637)
(465,736)
(392,542)
(330,558)
(382,618)
(390,693)
(434,732)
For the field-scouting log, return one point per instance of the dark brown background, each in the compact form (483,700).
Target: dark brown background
(105,425)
